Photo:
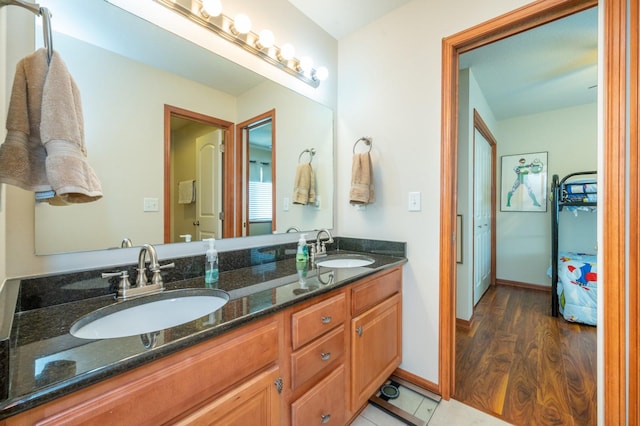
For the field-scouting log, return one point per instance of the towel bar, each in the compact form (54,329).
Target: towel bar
(40,11)
(366,140)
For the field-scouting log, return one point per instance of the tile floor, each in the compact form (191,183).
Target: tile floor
(447,413)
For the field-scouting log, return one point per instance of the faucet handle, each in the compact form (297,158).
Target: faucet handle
(157,277)
(124,279)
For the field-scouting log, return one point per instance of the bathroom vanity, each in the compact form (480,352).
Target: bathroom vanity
(279,352)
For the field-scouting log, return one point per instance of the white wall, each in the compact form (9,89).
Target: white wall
(390,89)
(524,239)
(470,98)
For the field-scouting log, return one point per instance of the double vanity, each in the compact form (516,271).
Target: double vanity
(285,348)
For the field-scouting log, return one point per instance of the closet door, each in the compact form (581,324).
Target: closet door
(481,216)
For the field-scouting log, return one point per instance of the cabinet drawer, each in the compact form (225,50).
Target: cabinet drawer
(374,291)
(322,404)
(318,356)
(317,319)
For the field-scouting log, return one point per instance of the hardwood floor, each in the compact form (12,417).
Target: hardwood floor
(522,364)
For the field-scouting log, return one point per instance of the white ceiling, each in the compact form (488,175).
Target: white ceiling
(546,68)
(342,17)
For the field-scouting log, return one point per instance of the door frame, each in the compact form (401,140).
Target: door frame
(227,172)
(613,163)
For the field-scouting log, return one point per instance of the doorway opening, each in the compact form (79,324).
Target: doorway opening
(614,142)
(197,175)
(256,179)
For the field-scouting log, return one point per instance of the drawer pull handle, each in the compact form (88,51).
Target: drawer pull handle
(359,330)
(325,418)
(325,356)
(326,320)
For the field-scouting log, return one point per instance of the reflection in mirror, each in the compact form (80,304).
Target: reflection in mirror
(126,77)
(194,175)
(256,141)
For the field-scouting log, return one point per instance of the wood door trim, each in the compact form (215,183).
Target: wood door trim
(634,217)
(481,125)
(613,305)
(226,126)
(613,200)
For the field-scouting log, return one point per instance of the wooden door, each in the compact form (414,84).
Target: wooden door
(482,212)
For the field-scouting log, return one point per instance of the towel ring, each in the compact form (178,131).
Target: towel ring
(367,141)
(310,151)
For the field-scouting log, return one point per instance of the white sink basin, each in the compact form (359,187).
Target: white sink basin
(149,313)
(344,261)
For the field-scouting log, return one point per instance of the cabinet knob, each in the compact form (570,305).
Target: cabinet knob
(325,356)
(326,320)
(359,330)
(325,418)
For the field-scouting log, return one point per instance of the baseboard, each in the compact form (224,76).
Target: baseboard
(465,324)
(419,381)
(519,284)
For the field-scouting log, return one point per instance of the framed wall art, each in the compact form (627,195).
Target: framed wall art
(524,182)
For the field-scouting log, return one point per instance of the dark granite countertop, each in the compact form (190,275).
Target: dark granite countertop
(45,362)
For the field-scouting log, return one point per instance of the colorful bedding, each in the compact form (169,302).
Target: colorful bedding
(577,287)
(580,191)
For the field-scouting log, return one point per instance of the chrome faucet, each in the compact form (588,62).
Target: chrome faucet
(154,266)
(143,286)
(320,248)
(126,243)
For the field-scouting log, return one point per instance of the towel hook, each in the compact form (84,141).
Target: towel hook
(310,151)
(367,141)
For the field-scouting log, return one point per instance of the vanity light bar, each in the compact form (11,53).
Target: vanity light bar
(249,41)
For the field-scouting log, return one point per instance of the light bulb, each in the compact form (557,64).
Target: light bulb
(266,39)
(322,73)
(287,51)
(242,23)
(306,64)
(211,7)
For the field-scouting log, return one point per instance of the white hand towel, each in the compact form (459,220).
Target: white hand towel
(186,192)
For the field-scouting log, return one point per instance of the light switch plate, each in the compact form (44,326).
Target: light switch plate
(414,202)
(151,205)
(285,204)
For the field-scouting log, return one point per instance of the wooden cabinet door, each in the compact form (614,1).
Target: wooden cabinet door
(376,348)
(255,402)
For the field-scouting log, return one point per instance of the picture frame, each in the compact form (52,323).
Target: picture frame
(459,238)
(523,186)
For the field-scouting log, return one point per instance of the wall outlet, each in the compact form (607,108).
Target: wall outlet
(414,202)
(151,205)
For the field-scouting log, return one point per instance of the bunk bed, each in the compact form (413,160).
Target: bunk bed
(573,274)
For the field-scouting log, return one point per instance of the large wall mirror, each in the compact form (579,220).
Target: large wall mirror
(129,72)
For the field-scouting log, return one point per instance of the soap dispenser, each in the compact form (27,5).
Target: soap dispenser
(211,272)
(302,254)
